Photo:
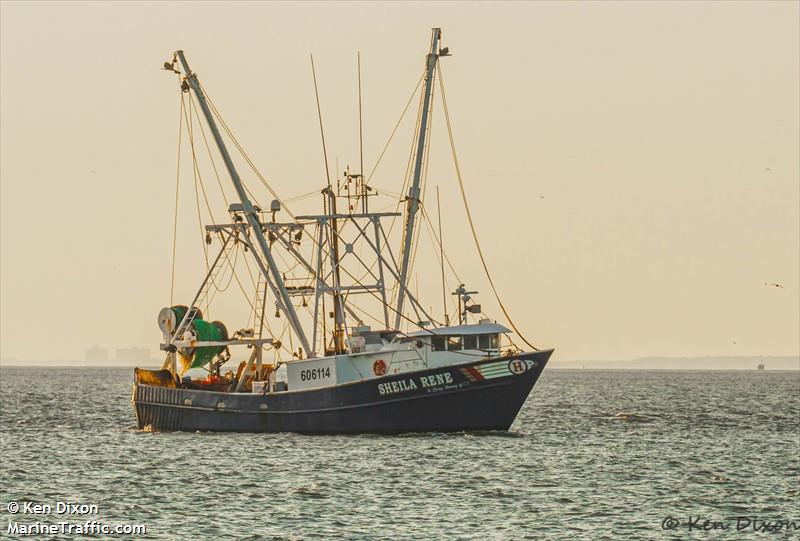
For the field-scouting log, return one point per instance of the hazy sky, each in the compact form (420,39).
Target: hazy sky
(633,167)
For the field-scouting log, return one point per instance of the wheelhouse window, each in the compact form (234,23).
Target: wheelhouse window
(453,343)
(488,341)
(471,341)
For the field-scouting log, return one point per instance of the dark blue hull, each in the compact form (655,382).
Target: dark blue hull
(485,395)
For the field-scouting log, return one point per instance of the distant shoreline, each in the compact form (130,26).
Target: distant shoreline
(739,364)
(743,363)
(553,367)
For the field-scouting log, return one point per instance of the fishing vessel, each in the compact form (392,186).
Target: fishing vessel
(358,351)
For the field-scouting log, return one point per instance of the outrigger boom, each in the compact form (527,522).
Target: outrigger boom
(278,287)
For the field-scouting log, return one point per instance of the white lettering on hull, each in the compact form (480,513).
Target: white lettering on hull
(405,385)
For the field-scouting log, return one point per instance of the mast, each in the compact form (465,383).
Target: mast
(338,302)
(247,206)
(412,200)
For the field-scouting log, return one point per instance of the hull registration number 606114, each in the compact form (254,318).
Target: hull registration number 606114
(315,373)
(311,374)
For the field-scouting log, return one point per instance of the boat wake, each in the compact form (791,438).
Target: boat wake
(630,417)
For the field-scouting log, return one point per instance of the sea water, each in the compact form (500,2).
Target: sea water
(593,455)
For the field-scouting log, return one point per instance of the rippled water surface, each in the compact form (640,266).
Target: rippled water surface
(708,444)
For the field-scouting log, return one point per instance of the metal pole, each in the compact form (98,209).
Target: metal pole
(412,201)
(377,225)
(414,303)
(441,258)
(364,207)
(249,211)
(338,306)
(317,292)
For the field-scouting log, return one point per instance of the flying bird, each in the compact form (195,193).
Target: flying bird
(773,285)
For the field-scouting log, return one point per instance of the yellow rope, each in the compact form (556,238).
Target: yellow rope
(426,156)
(188,120)
(210,156)
(438,243)
(469,214)
(245,155)
(395,128)
(175,216)
(196,171)
(399,197)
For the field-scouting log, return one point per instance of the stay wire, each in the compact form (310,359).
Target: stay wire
(397,125)
(426,156)
(177,186)
(210,155)
(399,197)
(469,214)
(439,244)
(190,133)
(244,154)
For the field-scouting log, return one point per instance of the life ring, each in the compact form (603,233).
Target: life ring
(379,367)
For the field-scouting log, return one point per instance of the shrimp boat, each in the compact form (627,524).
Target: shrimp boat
(337,367)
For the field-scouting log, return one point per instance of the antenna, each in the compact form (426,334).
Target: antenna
(338,305)
(441,258)
(319,114)
(361,133)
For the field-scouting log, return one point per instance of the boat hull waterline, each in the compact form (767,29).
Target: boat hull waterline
(478,396)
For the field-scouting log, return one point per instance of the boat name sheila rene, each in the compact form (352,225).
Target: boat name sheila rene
(392,387)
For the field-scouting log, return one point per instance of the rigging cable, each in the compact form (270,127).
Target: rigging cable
(321,131)
(197,175)
(432,231)
(208,149)
(406,181)
(263,180)
(187,118)
(302,197)
(175,217)
(426,156)
(250,272)
(386,146)
(378,161)
(244,154)
(469,214)
(195,172)
(190,132)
